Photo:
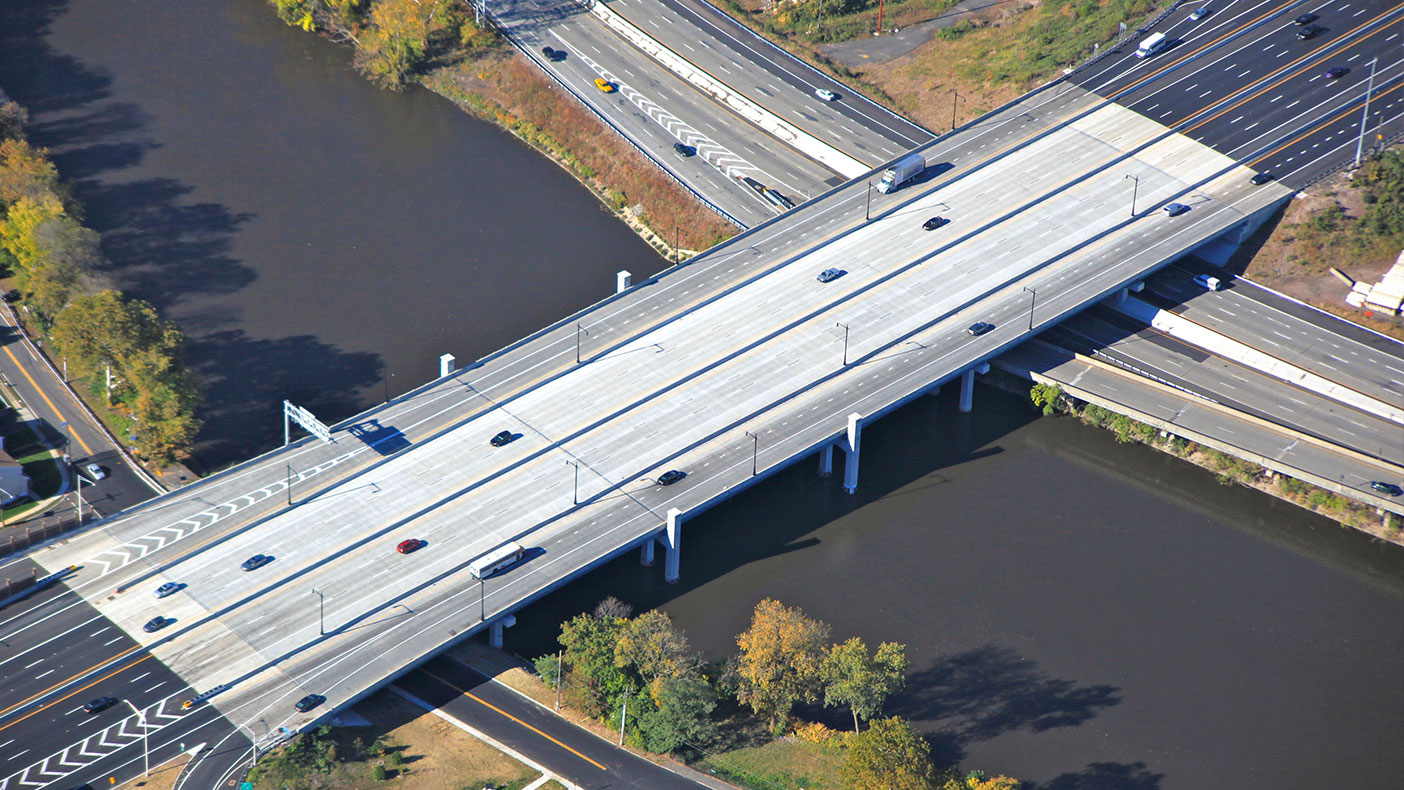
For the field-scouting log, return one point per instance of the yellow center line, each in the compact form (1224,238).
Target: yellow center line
(1343,113)
(33,383)
(493,707)
(44,707)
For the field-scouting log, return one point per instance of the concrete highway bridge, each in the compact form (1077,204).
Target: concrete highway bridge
(733,365)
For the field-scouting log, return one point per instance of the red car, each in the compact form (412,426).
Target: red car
(413,544)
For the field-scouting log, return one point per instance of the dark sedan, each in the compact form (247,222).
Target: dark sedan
(671,476)
(256,561)
(979,328)
(1388,489)
(934,223)
(1310,31)
(155,624)
(101,703)
(309,702)
(502,438)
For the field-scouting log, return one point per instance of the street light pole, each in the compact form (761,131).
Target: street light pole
(289,485)
(578,330)
(1033,297)
(868,203)
(482,601)
(755,451)
(1135,185)
(145,744)
(575,490)
(954,98)
(623,717)
(845,341)
(321,612)
(1365,114)
(558,680)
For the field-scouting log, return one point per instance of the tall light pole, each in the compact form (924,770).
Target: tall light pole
(1033,297)
(289,485)
(845,341)
(1136,184)
(321,612)
(623,717)
(954,98)
(575,490)
(1365,115)
(145,744)
(79,478)
(482,600)
(558,680)
(868,203)
(578,330)
(755,451)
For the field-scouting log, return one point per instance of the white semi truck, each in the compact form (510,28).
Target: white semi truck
(902,171)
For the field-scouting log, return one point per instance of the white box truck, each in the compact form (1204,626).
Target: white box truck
(903,170)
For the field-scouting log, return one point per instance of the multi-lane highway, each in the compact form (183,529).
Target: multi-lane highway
(678,373)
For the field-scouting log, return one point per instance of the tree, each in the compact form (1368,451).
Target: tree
(13,118)
(397,40)
(976,780)
(656,649)
(25,172)
(861,682)
(22,220)
(780,658)
(889,756)
(681,715)
(68,251)
(1047,397)
(589,652)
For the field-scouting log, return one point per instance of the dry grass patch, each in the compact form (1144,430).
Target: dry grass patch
(163,776)
(417,750)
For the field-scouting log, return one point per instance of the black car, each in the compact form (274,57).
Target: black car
(671,476)
(309,702)
(934,223)
(829,275)
(683,150)
(1335,72)
(549,53)
(1259,179)
(155,624)
(1310,31)
(256,561)
(101,703)
(1388,489)
(979,328)
(505,437)
(1305,19)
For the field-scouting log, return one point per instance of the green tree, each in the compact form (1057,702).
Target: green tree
(1047,397)
(68,251)
(18,233)
(681,715)
(890,756)
(599,684)
(861,682)
(397,39)
(656,649)
(976,780)
(779,663)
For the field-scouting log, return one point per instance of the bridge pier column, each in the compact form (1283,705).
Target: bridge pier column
(646,553)
(967,385)
(826,461)
(850,452)
(1122,294)
(445,364)
(622,281)
(672,541)
(495,630)
(934,391)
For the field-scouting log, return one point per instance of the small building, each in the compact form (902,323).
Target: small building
(14,483)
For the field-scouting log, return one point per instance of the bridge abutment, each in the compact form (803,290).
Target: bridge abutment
(672,541)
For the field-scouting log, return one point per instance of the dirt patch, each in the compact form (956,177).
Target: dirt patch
(163,776)
(1295,252)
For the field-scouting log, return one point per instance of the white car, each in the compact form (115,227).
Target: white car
(1207,282)
(95,472)
(1199,13)
(825,94)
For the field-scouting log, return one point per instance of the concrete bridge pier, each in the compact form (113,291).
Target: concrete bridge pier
(1124,293)
(826,461)
(967,385)
(495,630)
(622,281)
(850,452)
(445,364)
(672,542)
(646,553)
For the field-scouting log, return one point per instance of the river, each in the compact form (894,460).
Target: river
(1078,613)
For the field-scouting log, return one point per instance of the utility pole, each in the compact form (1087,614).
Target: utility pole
(1365,115)
(321,612)
(845,341)
(755,450)
(558,680)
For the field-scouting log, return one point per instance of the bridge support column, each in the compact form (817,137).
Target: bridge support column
(672,541)
(826,461)
(495,630)
(646,553)
(622,281)
(1122,294)
(445,364)
(850,452)
(967,385)
(934,391)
